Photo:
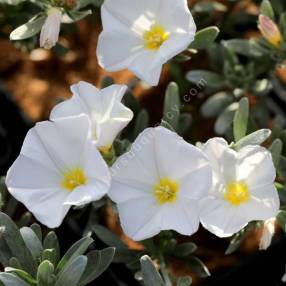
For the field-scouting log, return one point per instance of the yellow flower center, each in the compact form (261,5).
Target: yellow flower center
(73,179)
(166,191)
(155,37)
(237,193)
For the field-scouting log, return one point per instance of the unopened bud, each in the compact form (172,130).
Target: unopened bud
(51,28)
(270,30)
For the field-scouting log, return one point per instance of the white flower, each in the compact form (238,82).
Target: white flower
(59,166)
(51,28)
(267,233)
(243,188)
(143,35)
(104,108)
(158,183)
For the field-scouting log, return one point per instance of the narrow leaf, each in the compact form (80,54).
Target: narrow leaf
(150,274)
(240,121)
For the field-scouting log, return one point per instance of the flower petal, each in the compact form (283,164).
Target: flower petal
(196,185)
(264,203)
(135,11)
(145,67)
(117,50)
(141,224)
(256,166)
(83,195)
(64,139)
(171,148)
(223,160)
(176,16)
(220,218)
(182,217)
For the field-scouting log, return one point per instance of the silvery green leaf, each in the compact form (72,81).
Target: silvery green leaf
(212,79)
(11,234)
(45,275)
(108,237)
(240,121)
(71,274)
(224,121)
(97,262)
(197,266)
(204,38)
(14,263)
(185,122)
(22,274)
(141,122)
(249,48)
(9,279)
(32,241)
(172,105)
(185,249)
(236,240)
(215,104)
(150,274)
(74,251)
(255,138)
(51,242)
(5,253)
(276,151)
(50,255)
(184,281)
(25,219)
(37,230)
(29,29)
(267,10)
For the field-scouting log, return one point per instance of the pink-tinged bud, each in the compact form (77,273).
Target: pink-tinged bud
(270,30)
(51,29)
(267,233)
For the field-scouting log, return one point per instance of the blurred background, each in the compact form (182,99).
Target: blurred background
(33,80)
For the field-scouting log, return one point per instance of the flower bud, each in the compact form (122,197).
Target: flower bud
(269,30)
(267,233)
(51,28)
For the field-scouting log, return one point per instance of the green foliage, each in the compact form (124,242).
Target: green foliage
(151,276)
(212,79)
(29,29)
(172,106)
(30,261)
(240,121)
(237,239)
(267,10)
(204,38)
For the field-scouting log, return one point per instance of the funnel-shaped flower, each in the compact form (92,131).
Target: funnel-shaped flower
(59,166)
(143,35)
(157,185)
(243,188)
(107,114)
